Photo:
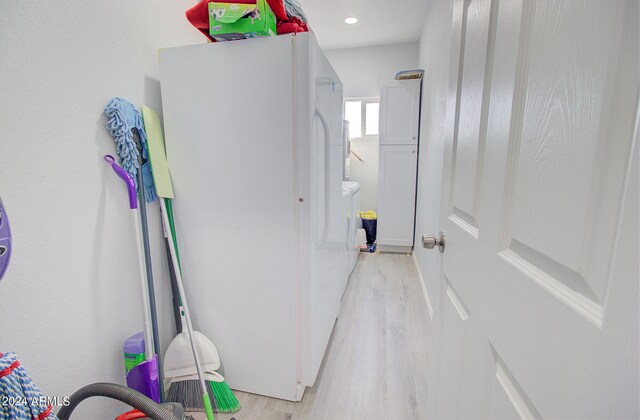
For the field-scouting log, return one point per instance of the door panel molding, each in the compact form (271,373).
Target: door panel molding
(456,301)
(476,67)
(505,383)
(465,221)
(556,286)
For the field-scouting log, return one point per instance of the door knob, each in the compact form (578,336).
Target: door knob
(430,241)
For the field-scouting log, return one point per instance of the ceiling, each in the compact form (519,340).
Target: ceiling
(380,22)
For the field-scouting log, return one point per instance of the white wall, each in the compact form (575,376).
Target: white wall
(71,295)
(435,45)
(361,70)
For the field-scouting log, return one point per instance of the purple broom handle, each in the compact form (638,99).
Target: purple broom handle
(128,179)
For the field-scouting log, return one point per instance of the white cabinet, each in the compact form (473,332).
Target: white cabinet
(399,111)
(399,127)
(397,192)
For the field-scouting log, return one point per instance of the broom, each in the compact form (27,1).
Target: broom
(195,389)
(185,390)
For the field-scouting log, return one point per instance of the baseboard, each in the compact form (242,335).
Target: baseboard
(424,287)
(394,248)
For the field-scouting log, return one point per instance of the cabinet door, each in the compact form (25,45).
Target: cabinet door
(399,111)
(397,195)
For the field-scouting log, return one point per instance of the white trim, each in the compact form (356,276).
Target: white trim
(297,270)
(424,287)
(300,391)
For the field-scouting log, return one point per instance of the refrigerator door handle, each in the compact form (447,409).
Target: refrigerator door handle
(327,177)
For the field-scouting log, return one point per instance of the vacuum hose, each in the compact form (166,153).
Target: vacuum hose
(117,392)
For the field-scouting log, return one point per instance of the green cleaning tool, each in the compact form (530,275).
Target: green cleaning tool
(191,346)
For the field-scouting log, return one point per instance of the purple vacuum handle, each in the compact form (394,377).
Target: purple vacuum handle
(131,185)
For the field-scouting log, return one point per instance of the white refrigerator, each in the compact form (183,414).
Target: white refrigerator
(254,143)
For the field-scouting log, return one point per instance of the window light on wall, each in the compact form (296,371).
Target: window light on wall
(371,112)
(353,114)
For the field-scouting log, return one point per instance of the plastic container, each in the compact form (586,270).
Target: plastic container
(133,351)
(370,225)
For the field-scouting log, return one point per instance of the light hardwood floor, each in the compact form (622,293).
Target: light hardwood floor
(375,366)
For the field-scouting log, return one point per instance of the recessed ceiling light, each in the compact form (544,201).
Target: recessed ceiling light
(351,20)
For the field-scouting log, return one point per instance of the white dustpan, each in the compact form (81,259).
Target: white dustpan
(178,361)
(208,376)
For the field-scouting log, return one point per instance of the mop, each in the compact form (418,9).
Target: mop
(21,399)
(124,123)
(122,119)
(144,377)
(191,359)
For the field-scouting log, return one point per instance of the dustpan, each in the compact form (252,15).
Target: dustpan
(178,361)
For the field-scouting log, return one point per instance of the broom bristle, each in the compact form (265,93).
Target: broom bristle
(223,398)
(188,394)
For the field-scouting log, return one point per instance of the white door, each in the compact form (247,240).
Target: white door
(399,111)
(396,195)
(539,313)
